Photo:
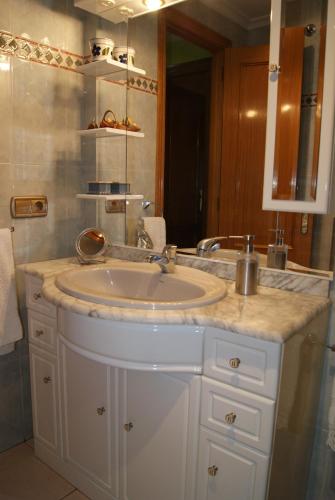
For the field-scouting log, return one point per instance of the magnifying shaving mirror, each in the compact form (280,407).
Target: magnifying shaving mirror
(91,245)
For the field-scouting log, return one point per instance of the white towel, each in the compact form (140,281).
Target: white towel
(331,419)
(10,324)
(155,227)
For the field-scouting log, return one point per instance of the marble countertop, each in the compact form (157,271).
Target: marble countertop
(272,314)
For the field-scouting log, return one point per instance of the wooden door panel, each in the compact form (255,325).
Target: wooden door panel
(288,113)
(243,150)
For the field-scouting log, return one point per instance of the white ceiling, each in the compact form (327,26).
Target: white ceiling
(249,14)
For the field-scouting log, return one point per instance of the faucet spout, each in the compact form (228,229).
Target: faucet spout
(208,245)
(167,260)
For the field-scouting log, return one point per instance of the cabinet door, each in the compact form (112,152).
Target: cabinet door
(230,471)
(89,396)
(44,391)
(160,429)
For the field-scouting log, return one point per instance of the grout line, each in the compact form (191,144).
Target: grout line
(28,443)
(68,494)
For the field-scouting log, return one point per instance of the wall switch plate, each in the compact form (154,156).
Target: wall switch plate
(29,206)
(115,206)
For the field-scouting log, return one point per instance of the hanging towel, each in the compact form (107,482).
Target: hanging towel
(155,227)
(10,324)
(331,419)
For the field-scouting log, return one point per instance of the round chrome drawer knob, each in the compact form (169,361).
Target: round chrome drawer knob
(101,410)
(47,380)
(37,296)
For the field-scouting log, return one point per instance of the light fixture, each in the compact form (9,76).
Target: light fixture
(153,4)
(118,11)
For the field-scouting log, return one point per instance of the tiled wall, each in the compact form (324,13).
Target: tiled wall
(44,100)
(41,108)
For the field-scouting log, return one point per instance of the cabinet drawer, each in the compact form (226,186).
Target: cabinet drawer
(44,394)
(242,361)
(34,297)
(228,470)
(42,331)
(238,414)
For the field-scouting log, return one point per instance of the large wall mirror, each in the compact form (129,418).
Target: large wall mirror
(301,99)
(202,159)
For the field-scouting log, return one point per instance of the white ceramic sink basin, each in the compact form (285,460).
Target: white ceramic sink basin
(142,285)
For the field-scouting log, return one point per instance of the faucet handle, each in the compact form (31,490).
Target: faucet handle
(170,251)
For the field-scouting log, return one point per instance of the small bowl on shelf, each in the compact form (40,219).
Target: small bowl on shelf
(101,48)
(125,55)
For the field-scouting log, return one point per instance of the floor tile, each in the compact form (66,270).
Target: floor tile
(24,477)
(30,443)
(76,495)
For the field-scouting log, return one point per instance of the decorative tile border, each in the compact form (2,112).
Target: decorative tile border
(144,84)
(30,50)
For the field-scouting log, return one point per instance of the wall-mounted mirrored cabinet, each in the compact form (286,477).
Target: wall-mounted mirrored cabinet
(301,103)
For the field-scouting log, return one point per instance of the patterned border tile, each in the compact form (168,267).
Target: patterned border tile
(144,84)
(30,50)
(33,51)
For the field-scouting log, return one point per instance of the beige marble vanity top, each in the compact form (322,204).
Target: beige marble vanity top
(272,314)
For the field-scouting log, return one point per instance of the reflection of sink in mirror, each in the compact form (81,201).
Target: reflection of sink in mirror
(142,286)
(231,255)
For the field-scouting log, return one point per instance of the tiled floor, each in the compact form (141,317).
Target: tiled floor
(24,477)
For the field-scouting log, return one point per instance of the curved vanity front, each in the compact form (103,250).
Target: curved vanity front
(187,398)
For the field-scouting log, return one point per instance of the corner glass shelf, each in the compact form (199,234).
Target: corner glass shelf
(109,68)
(107,197)
(98,133)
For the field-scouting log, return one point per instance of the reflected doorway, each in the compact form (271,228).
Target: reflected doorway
(187,119)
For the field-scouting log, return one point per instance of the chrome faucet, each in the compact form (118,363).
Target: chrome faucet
(208,245)
(167,260)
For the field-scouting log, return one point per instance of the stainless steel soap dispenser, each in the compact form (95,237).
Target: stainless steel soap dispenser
(277,252)
(246,267)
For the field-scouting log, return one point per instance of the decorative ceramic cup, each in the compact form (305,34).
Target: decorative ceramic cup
(125,55)
(101,48)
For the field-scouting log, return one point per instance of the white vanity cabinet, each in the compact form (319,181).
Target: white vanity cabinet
(160,432)
(239,390)
(44,392)
(238,431)
(43,366)
(89,396)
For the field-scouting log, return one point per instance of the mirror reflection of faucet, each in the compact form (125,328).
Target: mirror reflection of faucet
(209,245)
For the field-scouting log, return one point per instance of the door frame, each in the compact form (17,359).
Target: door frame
(178,23)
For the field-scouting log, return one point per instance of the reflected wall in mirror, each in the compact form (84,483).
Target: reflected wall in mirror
(214,188)
(299,102)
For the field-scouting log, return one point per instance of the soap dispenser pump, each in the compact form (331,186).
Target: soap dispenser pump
(277,252)
(246,267)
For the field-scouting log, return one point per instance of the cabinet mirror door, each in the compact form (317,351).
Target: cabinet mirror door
(301,103)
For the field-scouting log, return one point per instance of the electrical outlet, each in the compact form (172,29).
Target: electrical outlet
(29,206)
(115,206)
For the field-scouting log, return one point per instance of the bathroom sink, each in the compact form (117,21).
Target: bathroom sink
(142,285)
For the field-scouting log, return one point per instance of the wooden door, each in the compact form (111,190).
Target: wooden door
(186,151)
(242,163)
